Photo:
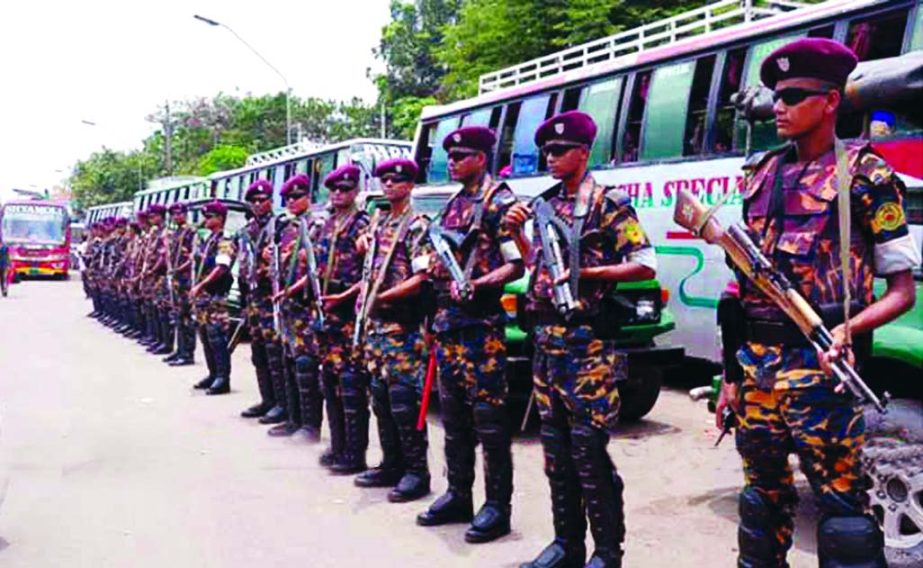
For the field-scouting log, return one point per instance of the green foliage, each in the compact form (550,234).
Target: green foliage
(405,113)
(222,157)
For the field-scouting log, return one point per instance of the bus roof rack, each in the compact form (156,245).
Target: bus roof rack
(279,153)
(706,19)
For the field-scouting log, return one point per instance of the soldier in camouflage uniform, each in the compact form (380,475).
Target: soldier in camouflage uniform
(89,274)
(786,400)
(470,342)
(105,268)
(394,348)
(265,343)
(119,273)
(303,393)
(212,264)
(575,367)
(180,242)
(155,282)
(339,269)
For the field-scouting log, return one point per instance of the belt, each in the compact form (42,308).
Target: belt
(775,332)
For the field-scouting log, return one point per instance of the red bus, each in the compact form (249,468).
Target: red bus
(38,236)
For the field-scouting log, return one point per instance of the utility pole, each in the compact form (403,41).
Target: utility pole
(383,129)
(168,140)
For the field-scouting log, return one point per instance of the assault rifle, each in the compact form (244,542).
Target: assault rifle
(313,279)
(550,230)
(275,274)
(746,255)
(366,286)
(445,242)
(169,262)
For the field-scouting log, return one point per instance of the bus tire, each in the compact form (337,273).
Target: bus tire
(892,461)
(639,393)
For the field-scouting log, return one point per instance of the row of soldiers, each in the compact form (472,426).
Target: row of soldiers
(144,277)
(353,306)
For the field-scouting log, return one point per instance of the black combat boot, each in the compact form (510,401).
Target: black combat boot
(310,397)
(391,469)
(166,334)
(292,404)
(176,332)
(455,506)
(405,407)
(209,361)
(568,549)
(188,333)
(279,412)
(493,520)
(356,424)
(602,493)
(263,380)
(219,343)
(336,421)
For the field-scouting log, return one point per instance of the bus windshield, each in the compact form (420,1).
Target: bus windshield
(34,223)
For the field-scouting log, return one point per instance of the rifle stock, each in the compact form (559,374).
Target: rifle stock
(367,262)
(747,256)
(549,230)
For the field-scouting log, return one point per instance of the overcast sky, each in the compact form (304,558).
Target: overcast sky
(113,62)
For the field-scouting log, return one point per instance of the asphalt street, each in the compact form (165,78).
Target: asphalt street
(109,458)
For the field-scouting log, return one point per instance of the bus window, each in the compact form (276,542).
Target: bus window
(723,134)
(637,103)
(439,161)
(601,101)
(532,113)
(879,36)
(322,166)
(667,106)
(488,117)
(763,134)
(505,147)
(424,150)
(694,139)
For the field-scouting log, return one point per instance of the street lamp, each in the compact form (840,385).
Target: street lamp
(288,88)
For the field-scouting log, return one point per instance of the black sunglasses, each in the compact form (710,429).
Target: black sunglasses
(259,199)
(343,188)
(792,96)
(295,195)
(460,156)
(557,150)
(210,215)
(395,179)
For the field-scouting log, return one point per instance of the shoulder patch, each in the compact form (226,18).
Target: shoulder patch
(889,216)
(870,165)
(617,196)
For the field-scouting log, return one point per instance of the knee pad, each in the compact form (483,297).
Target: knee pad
(491,424)
(756,532)
(850,542)
(258,355)
(305,364)
(403,400)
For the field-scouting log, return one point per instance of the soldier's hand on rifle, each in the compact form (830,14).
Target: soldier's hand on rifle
(331,301)
(836,351)
(726,397)
(516,216)
(456,293)
(195,291)
(281,295)
(266,254)
(362,243)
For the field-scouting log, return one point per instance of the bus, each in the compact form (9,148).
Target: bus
(316,161)
(661,96)
(99,212)
(37,234)
(666,122)
(168,190)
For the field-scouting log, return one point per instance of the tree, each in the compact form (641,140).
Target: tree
(220,158)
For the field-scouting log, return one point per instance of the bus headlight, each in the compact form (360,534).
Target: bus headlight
(646,310)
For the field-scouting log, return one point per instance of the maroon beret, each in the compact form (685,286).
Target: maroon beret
(344,175)
(297,181)
(470,137)
(141,215)
(121,222)
(404,166)
(178,209)
(813,57)
(215,208)
(259,186)
(572,126)
(156,209)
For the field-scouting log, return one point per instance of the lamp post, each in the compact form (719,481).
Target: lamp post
(288,88)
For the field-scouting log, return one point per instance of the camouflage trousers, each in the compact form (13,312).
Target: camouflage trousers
(572,365)
(396,359)
(212,311)
(259,317)
(472,365)
(824,428)
(297,330)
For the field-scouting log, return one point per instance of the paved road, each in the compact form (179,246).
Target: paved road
(108,458)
